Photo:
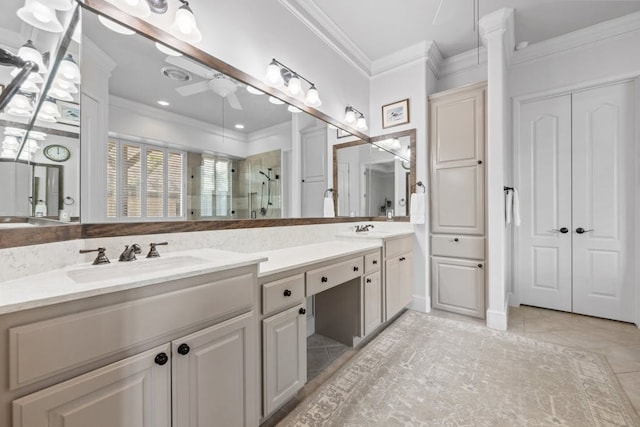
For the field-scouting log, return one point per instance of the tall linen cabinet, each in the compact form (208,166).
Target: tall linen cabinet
(457,122)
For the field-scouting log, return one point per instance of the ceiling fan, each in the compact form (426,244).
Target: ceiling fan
(219,83)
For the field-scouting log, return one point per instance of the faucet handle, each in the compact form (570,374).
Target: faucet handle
(101,258)
(153,252)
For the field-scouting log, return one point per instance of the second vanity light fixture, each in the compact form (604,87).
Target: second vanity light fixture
(279,75)
(353,116)
(184,23)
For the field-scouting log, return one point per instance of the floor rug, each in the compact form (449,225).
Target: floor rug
(429,371)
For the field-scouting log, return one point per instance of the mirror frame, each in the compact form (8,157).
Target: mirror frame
(411,133)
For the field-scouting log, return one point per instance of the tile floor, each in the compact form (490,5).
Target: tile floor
(618,342)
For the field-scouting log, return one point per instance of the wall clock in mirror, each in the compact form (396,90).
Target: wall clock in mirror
(57,153)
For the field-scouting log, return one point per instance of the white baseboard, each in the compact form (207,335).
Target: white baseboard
(422,304)
(499,319)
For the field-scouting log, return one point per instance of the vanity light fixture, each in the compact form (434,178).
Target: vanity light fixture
(40,15)
(184,25)
(33,77)
(28,52)
(293,109)
(64,85)
(115,27)
(20,105)
(29,87)
(137,8)
(163,103)
(352,115)
(63,5)
(276,101)
(49,108)
(254,91)
(68,69)
(279,75)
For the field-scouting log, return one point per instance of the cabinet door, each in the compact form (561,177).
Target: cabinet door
(457,200)
(214,375)
(398,279)
(372,302)
(284,356)
(314,154)
(458,285)
(131,392)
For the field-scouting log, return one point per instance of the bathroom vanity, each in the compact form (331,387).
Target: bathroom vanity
(189,338)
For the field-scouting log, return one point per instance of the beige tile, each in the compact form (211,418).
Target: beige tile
(623,358)
(631,385)
(575,339)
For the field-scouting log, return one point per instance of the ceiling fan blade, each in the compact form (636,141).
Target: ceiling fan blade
(437,14)
(191,66)
(194,88)
(233,101)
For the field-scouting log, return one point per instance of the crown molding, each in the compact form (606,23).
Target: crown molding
(322,26)
(92,52)
(146,110)
(464,61)
(418,51)
(579,39)
(269,132)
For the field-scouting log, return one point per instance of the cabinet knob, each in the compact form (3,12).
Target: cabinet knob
(324,279)
(368,280)
(355,268)
(479,162)
(302,311)
(479,265)
(456,240)
(287,293)
(402,258)
(161,359)
(183,349)
(375,261)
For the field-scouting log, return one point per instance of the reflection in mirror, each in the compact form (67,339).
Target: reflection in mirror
(184,141)
(39,149)
(374,179)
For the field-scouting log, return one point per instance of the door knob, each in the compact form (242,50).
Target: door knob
(581,230)
(563,230)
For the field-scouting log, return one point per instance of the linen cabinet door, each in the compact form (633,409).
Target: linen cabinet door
(458,286)
(214,375)
(372,302)
(457,200)
(132,392)
(284,356)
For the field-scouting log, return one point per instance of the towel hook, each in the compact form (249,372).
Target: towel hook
(328,190)
(508,188)
(420,184)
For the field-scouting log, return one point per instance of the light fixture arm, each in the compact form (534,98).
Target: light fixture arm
(158,6)
(26,68)
(293,73)
(355,110)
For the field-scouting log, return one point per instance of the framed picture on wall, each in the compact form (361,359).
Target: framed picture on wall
(69,113)
(395,114)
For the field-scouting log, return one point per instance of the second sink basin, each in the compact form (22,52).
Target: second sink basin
(132,268)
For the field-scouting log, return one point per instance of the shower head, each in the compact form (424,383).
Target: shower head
(268,177)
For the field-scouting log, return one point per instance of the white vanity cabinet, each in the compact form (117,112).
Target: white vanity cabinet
(398,274)
(180,353)
(372,293)
(284,341)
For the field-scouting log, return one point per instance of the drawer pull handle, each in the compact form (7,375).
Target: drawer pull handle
(302,311)
(161,359)
(479,265)
(456,240)
(368,280)
(375,261)
(183,349)
(324,279)
(355,268)
(287,293)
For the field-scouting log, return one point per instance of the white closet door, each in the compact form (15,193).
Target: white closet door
(543,266)
(603,202)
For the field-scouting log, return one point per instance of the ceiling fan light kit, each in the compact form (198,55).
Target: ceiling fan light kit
(279,75)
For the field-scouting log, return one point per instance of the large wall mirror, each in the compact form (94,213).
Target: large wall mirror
(165,137)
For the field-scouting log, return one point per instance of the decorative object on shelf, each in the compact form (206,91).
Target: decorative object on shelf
(69,113)
(353,116)
(279,75)
(395,114)
(57,153)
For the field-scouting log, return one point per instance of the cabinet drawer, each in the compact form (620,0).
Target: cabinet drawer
(327,277)
(451,245)
(372,263)
(282,294)
(399,246)
(42,349)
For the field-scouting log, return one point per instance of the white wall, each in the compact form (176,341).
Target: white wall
(408,81)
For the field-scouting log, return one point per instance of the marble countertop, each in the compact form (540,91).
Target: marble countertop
(301,256)
(86,280)
(374,234)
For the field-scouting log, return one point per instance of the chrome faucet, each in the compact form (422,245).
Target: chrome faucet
(363,228)
(129,253)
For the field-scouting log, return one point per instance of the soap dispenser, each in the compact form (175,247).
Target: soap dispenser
(41,209)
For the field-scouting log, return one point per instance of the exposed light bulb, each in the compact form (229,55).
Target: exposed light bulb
(361,123)
(49,108)
(294,87)
(276,101)
(313,97)
(184,25)
(350,115)
(68,69)
(28,52)
(273,77)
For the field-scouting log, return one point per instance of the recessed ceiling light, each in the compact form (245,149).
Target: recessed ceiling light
(239,126)
(175,74)
(276,101)
(254,91)
(163,103)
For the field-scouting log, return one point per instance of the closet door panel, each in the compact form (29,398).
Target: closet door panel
(543,258)
(603,200)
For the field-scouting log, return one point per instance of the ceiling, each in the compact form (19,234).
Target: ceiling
(380,28)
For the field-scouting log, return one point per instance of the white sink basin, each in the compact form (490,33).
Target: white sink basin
(133,268)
